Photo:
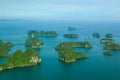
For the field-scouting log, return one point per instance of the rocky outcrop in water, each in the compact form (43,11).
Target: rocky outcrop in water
(96,35)
(109,35)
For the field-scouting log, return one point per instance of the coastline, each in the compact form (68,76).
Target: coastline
(25,65)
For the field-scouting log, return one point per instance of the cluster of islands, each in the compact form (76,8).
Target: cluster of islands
(18,58)
(65,49)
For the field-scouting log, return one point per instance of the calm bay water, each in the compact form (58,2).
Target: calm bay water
(95,67)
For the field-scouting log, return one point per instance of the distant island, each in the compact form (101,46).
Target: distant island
(112,46)
(109,35)
(109,45)
(4,48)
(71,35)
(71,28)
(96,35)
(106,40)
(33,43)
(42,34)
(21,59)
(67,53)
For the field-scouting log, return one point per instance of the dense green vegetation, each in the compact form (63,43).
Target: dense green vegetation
(71,35)
(67,53)
(33,43)
(4,48)
(19,59)
(42,34)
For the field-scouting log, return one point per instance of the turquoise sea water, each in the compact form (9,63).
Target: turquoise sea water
(95,67)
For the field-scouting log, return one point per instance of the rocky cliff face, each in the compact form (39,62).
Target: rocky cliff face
(35,59)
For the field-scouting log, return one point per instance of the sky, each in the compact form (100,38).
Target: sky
(80,10)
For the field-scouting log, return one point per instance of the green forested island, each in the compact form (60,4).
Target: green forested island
(4,48)
(106,40)
(21,59)
(67,53)
(71,35)
(42,34)
(33,43)
(112,46)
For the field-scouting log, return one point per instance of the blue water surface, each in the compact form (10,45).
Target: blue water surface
(96,67)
